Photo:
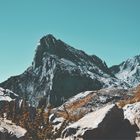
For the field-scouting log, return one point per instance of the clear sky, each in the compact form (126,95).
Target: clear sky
(108,28)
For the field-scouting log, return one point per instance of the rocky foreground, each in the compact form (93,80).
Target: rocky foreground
(106,123)
(103,114)
(109,122)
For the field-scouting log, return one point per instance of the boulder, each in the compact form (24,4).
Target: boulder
(96,124)
(105,123)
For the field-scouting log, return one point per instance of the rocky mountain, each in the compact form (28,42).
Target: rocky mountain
(60,71)
(128,71)
(90,100)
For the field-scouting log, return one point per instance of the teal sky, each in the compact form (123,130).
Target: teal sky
(108,28)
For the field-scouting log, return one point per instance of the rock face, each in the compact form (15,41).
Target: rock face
(132,113)
(59,71)
(10,131)
(128,71)
(106,123)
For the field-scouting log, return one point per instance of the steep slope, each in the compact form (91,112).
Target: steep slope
(59,71)
(128,71)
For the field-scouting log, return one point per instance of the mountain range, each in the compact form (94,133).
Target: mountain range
(59,71)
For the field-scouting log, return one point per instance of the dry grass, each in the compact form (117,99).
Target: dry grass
(70,109)
(81,102)
(71,116)
(135,98)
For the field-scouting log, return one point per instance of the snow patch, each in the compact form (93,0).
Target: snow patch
(11,128)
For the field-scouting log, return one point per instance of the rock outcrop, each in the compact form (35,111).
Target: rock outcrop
(9,100)
(7,95)
(132,113)
(10,131)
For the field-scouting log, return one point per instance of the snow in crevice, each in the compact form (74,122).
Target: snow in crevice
(68,62)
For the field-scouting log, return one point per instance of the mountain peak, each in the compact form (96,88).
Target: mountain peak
(49,37)
(129,70)
(50,46)
(47,45)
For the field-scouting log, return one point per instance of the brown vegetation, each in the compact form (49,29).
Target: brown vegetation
(81,102)
(35,121)
(135,98)
(73,111)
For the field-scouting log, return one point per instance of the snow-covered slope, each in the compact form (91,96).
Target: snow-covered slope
(60,71)
(128,71)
